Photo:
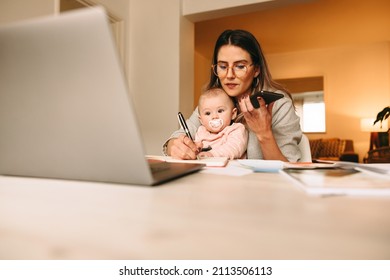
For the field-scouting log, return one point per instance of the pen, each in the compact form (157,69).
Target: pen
(184,126)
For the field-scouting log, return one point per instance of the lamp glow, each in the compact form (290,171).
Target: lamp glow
(367,125)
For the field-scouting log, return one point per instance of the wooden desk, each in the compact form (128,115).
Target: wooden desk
(201,216)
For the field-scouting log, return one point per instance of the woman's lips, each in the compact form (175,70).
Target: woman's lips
(231,86)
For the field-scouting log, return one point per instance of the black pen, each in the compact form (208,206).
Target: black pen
(184,126)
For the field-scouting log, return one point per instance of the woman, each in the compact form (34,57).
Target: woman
(239,67)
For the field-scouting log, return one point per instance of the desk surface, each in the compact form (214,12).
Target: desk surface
(200,216)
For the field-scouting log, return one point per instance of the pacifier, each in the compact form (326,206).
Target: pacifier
(215,123)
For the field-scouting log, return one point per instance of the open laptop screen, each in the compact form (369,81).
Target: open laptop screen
(64,107)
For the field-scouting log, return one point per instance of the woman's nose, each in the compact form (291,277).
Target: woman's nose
(230,73)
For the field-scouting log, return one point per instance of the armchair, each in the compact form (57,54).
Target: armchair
(379,155)
(334,149)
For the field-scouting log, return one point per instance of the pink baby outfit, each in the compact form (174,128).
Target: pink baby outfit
(230,142)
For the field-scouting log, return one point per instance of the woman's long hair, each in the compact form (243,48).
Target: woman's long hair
(246,41)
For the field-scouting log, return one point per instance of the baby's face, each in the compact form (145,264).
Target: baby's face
(216,112)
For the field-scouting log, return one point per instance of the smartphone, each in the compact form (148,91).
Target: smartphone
(268,97)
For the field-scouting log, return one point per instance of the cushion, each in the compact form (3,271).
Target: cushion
(315,147)
(332,148)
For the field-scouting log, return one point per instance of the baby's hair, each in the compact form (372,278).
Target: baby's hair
(215,91)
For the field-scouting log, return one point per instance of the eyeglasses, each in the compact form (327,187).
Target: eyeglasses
(239,69)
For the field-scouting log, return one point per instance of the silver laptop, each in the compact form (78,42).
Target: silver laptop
(64,107)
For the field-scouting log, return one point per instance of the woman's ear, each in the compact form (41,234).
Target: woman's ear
(234,113)
(257,72)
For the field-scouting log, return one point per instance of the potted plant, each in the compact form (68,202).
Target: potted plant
(383,115)
(381,154)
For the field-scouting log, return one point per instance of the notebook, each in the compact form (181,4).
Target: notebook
(65,111)
(208,161)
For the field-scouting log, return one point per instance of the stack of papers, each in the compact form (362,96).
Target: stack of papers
(330,178)
(259,165)
(339,181)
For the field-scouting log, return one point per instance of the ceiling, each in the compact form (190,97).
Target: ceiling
(297,26)
(201,10)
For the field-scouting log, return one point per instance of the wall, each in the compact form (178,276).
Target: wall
(356,85)
(345,41)
(11,10)
(158,79)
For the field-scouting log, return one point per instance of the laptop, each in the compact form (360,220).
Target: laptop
(65,111)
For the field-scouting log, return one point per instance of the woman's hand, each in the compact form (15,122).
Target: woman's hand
(258,120)
(183,148)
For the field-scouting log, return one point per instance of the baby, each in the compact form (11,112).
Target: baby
(218,130)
